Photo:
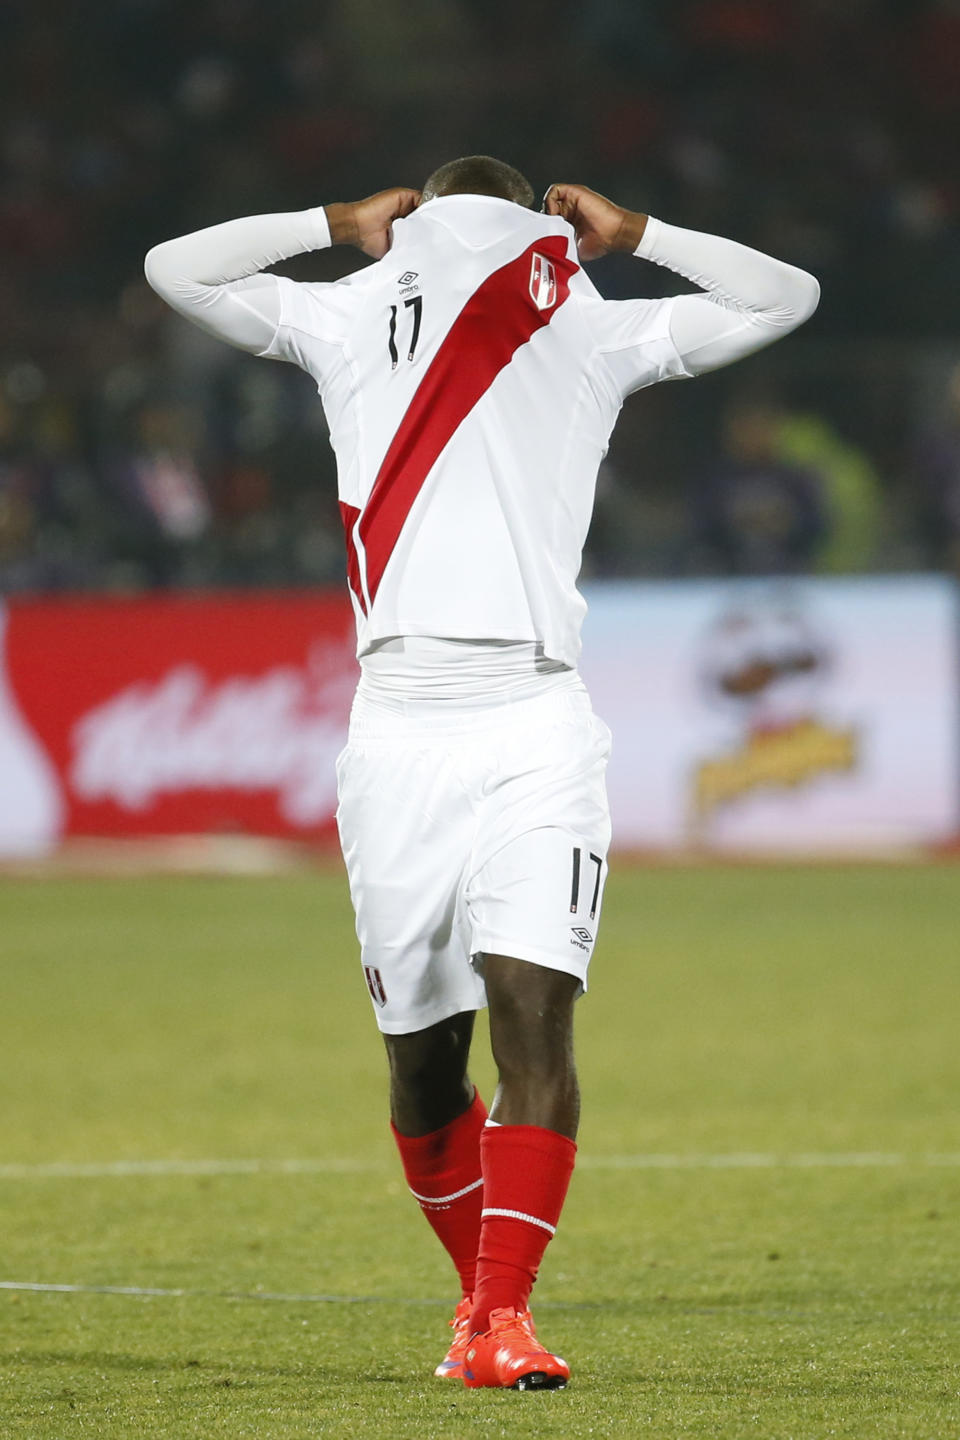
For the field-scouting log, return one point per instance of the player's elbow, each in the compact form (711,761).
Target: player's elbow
(158,270)
(153,268)
(798,295)
(805,297)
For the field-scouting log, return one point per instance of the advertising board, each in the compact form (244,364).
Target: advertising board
(808,715)
(172,715)
(818,715)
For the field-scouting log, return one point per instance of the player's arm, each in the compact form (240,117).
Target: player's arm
(214,278)
(750,298)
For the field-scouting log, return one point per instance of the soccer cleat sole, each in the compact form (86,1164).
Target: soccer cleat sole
(537,1380)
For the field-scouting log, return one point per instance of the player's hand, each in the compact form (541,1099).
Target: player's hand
(600,225)
(368,223)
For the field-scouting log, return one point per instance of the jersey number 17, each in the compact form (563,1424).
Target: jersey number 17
(416,303)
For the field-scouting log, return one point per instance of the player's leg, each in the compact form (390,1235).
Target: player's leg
(437,1118)
(531,1035)
(528,1151)
(429,1085)
(406,827)
(536,898)
(527,1155)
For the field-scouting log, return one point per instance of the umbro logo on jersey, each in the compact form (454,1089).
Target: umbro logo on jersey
(407,278)
(543,281)
(582,935)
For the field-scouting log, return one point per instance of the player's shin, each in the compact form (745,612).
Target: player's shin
(526,1172)
(443,1171)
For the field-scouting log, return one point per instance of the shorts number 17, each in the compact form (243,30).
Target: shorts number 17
(575,884)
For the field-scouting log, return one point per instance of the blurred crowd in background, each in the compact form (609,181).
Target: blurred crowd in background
(135,452)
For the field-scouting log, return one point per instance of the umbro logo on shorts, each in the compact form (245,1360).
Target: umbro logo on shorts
(407,278)
(583,937)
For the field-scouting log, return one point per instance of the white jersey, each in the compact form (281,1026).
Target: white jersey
(470,404)
(471,379)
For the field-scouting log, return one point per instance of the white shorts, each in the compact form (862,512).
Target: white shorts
(481,832)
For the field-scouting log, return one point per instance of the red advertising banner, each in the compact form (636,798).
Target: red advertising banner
(174,714)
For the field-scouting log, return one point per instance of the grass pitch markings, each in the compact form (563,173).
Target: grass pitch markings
(149,1292)
(746,1160)
(36,1287)
(120,1169)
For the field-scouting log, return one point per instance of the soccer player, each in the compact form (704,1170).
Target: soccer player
(471,378)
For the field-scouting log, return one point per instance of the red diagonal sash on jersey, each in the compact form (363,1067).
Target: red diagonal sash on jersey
(501,315)
(349,514)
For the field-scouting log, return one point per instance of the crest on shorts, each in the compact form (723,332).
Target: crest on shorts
(543,281)
(375,985)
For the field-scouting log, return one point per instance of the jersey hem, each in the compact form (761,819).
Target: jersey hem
(428,631)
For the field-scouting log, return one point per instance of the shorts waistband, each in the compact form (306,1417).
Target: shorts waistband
(370,719)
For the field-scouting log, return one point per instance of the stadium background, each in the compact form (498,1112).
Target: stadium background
(823,133)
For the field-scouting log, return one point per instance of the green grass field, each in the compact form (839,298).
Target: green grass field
(762,1239)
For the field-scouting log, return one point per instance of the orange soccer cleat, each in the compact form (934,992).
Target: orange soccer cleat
(451,1366)
(510,1357)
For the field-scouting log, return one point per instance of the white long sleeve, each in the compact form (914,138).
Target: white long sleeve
(212,277)
(750,300)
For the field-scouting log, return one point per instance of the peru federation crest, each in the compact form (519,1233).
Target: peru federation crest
(543,281)
(378,992)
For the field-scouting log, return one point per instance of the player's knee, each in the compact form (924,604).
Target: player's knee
(527,1000)
(420,1076)
(531,1030)
(426,1059)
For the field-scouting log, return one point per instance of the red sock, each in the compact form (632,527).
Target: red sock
(526,1171)
(443,1172)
